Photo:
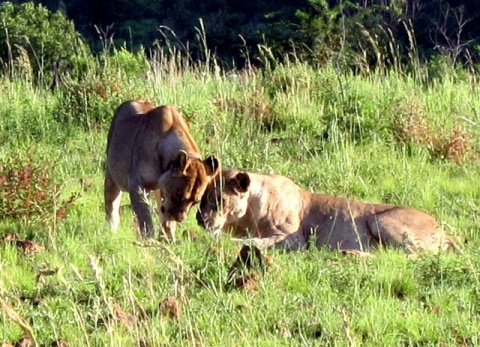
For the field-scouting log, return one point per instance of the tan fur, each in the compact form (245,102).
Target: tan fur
(151,149)
(275,211)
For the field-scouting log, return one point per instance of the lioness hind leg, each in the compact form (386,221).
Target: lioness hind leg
(387,230)
(113,197)
(167,227)
(412,229)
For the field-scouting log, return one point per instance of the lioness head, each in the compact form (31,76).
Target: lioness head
(184,183)
(225,201)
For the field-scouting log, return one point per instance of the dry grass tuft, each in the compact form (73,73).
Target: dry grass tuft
(171,307)
(411,127)
(256,105)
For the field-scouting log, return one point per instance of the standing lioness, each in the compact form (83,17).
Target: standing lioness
(275,211)
(150,149)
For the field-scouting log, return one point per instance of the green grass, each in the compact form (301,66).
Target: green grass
(330,133)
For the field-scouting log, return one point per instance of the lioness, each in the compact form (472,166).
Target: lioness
(275,211)
(150,149)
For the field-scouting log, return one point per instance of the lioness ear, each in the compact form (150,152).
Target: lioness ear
(240,182)
(180,163)
(212,166)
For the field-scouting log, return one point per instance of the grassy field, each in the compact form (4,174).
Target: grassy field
(383,137)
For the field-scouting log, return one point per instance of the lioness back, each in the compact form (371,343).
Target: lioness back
(128,112)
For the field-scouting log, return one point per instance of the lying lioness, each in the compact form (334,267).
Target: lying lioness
(150,149)
(275,211)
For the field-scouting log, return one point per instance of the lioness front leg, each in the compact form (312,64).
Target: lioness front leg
(141,208)
(168,227)
(113,196)
(290,242)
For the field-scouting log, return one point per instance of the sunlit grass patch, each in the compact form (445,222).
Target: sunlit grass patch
(330,132)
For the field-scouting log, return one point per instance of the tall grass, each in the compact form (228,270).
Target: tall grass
(331,131)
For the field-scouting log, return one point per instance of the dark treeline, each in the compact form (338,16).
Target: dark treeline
(364,33)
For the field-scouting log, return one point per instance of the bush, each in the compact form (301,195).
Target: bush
(88,104)
(28,192)
(89,101)
(411,128)
(131,65)
(33,40)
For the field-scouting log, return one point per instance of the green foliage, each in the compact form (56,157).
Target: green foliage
(359,35)
(89,104)
(321,28)
(32,39)
(351,34)
(90,100)
(130,65)
(396,34)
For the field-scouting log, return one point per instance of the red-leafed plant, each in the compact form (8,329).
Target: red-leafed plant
(29,193)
